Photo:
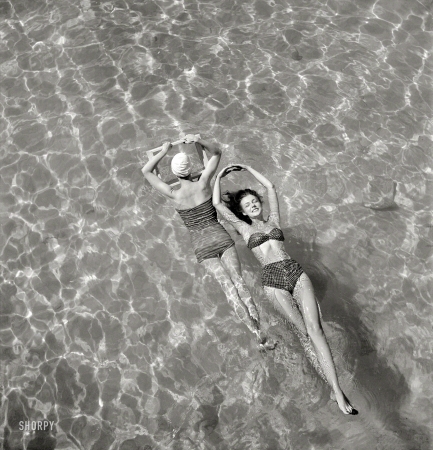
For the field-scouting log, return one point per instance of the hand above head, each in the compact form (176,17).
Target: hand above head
(238,166)
(222,173)
(228,169)
(190,138)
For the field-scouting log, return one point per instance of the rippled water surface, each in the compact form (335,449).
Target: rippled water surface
(109,327)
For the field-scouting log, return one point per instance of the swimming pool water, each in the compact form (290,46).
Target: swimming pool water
(109,327)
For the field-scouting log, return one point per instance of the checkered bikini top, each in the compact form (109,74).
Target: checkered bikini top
(259,238)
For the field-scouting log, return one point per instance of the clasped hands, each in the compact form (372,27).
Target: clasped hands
(232,168)
(187,139)
(190,138)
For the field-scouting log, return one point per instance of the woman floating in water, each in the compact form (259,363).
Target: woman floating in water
(213,246)
(285,283)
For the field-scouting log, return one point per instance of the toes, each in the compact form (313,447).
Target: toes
(351,410)
(344,404)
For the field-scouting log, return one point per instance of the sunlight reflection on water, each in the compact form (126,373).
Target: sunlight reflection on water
(109,327)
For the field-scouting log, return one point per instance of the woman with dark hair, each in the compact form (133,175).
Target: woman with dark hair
(213,246)
(286,285)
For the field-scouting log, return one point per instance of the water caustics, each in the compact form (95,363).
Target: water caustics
(109,327)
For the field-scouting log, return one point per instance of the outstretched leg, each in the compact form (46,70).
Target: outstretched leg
(215,268)
(304,296)
(232,265)
(285,305)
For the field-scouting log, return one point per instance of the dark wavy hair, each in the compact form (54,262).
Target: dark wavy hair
(233,202)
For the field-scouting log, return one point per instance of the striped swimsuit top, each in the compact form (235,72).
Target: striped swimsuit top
(208,237)
(259,238)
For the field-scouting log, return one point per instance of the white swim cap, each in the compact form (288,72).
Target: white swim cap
(181,165)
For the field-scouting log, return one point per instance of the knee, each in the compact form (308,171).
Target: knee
(238,281)
(314,329)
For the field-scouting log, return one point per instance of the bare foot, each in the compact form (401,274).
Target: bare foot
(265,344)
(343,403)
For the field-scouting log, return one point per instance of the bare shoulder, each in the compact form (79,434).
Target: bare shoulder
(190,196)
(203,186)
(176,199)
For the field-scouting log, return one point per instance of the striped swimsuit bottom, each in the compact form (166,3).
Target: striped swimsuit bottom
(209,238)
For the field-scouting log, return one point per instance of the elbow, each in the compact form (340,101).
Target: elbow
(216,202)
(271,186)
(216,151)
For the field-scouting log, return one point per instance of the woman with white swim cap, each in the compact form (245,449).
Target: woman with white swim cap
(181,165)
(213,246)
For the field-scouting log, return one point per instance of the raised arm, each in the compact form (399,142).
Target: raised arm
(272,193)
(154,180)
(216,196)
(225,212)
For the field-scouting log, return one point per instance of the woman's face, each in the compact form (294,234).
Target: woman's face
(251,206)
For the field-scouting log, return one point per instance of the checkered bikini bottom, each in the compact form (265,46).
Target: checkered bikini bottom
(282,274)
